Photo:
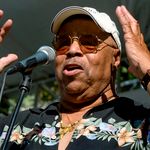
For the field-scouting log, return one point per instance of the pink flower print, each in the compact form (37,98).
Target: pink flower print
(125,136)
(17,137)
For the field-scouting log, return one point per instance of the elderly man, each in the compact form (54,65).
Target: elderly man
(89,114)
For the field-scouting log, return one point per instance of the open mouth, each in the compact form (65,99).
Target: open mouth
(72,69)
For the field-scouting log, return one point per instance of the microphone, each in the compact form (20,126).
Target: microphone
(44,55)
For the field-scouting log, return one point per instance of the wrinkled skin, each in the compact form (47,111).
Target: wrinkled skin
(82,77)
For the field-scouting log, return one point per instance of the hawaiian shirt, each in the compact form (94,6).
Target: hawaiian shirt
(120,124)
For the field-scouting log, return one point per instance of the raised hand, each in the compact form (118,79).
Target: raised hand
(5,61)
(137,52)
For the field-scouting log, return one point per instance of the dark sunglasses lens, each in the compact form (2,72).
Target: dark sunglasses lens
(88,40)
(62,41)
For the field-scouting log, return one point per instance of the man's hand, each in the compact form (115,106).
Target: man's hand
(5,61)
(137,52)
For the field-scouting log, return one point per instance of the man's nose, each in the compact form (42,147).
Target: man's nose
(74,49)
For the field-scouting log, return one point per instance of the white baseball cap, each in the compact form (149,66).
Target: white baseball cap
(100,18)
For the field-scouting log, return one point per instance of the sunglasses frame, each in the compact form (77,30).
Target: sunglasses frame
(95,48)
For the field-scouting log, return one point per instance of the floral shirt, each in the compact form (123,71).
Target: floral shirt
(117,125)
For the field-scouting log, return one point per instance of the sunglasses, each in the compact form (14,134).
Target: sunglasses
(88,43)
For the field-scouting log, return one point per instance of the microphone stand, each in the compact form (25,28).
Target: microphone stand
(24,88)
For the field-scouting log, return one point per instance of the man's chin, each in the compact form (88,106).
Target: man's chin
(75,87)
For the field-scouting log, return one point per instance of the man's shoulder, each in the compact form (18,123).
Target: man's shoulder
(130,108)
(33,114)
(53,106)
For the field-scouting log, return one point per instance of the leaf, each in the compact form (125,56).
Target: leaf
(105,137)
(128,127)
(123,123)
(56,117)
(92,119)
(5,128)
(109,138)
(100,135)
(111,121)
(40,141)
(26,130)
(132,146)
(97,122)
(36,139)
(53,124)
(48,125)
(44,140)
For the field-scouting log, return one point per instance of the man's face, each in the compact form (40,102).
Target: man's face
(84,73)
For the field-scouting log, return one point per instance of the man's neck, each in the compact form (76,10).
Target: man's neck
(83,105)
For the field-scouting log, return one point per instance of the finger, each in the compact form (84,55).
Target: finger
(5,61)
(133,22)
(130,17)
(7,25)
(121,15)
(5,28)
(129,25)
(123,19)
(1,13)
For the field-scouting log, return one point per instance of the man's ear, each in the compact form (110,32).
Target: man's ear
(116,57)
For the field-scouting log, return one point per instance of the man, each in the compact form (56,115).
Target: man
(89,115)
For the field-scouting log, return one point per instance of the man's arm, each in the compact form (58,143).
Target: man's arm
(136,50)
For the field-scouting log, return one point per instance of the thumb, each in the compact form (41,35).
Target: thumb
(7,60)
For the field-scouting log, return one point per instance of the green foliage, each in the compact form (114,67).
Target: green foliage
(40,98)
